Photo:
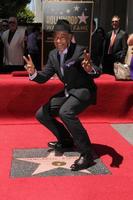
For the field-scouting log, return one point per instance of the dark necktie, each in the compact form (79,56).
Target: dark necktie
(62,62)
(62,57)
(11,34)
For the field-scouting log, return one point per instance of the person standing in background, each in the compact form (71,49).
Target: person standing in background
(115,46)
(33,46)
(1,53)
(130,50)
(5,26)
(14,46)
(1,29)
(97,44)
(130,40)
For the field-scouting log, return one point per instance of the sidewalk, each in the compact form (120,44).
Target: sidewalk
(126,130)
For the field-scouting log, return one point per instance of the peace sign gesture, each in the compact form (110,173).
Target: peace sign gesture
(30,67)
(86,63)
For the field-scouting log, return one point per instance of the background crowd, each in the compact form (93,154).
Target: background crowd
(16,41)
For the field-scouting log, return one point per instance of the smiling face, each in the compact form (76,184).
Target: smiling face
(115,22)
(62,40)
(12,23)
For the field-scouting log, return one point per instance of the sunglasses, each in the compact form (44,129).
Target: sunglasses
(115,21)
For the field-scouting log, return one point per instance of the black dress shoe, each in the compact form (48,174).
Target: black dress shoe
(83,162)
(58,145)
(52,144)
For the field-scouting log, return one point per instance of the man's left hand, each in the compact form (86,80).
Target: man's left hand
(86,63)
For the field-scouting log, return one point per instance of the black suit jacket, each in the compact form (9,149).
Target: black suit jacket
(120,46)
(78,82)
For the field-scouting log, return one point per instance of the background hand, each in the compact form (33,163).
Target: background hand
(30,67)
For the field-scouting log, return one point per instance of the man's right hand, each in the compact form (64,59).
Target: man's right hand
(30,67)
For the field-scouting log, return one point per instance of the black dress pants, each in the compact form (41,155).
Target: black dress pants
(68,126)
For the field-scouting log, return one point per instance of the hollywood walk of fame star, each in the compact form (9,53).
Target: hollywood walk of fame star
(82,18)
(52,161)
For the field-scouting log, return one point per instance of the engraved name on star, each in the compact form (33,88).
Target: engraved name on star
(82,18)
(52,162)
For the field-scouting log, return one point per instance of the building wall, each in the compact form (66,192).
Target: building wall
(38,10)
(103,11)
(129,19)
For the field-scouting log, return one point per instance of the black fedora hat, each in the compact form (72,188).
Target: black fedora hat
(62,25)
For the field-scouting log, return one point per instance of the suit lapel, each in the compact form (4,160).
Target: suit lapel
(70,53)
(57,63)
(71,50)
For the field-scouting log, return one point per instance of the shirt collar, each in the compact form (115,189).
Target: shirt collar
(116,31)
(64,52)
